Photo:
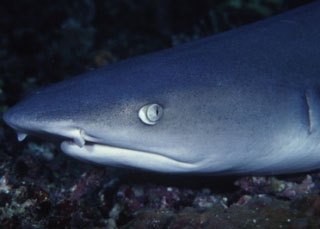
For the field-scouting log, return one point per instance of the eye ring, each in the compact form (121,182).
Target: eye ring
(150,114)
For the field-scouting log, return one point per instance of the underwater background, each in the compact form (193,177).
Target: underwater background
(42,42)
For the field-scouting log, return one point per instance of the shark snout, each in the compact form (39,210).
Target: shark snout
(18,121)
(15,119)
(26,122)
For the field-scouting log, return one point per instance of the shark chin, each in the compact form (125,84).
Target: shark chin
(122,157)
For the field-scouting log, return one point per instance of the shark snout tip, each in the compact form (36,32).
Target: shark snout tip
(17,119)
(8,117)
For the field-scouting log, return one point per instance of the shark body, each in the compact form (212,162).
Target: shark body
(246,101)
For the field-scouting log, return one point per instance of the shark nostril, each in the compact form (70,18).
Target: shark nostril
(21,136)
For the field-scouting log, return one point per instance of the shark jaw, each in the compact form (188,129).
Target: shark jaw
(80,145)
(122,157)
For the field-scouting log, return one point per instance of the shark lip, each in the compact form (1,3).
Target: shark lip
(123,157)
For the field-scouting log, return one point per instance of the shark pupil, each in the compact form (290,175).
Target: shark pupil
(153,112)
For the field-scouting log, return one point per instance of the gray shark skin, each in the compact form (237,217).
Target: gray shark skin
(246,101)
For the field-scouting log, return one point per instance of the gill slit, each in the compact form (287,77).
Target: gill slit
(309,111)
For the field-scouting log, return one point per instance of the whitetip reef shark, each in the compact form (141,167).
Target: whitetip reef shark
(246,101)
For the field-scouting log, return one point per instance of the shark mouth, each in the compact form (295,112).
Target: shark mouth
(122,157)
(80,145)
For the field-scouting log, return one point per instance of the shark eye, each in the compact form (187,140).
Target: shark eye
(150,113)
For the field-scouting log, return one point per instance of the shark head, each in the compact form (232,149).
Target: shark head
(121,115)
(172,111)
(244,101)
